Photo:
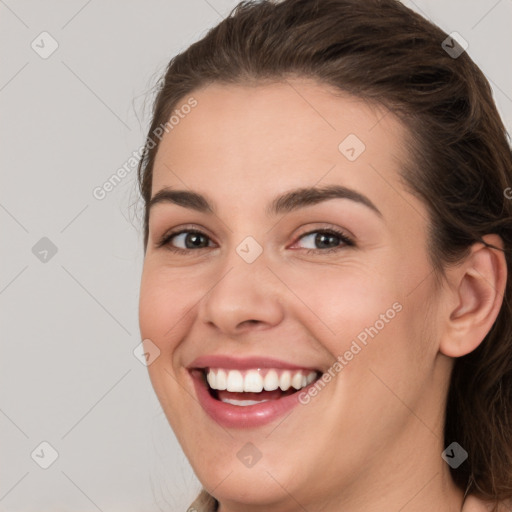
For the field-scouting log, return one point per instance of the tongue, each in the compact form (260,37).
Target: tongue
(262,395)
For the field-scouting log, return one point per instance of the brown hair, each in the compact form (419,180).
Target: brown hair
(459,165)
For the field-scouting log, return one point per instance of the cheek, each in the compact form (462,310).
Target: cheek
(344,301)
(166,301)
(367,316)
(162,307)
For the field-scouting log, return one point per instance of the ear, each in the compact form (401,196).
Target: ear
(474,297)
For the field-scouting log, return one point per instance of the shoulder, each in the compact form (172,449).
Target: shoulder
(474,504)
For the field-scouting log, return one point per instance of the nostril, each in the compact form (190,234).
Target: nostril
(252,322)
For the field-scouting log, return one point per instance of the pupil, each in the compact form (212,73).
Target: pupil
(322,237)
(195,240)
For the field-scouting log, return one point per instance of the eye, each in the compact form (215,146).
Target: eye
(326,240)
(187,238)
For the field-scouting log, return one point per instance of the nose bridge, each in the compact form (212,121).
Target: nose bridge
(245,291)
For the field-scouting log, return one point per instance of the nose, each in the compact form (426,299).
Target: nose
(245,297)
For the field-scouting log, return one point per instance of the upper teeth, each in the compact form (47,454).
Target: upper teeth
(257,380)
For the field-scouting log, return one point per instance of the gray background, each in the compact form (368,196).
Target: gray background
(68,375)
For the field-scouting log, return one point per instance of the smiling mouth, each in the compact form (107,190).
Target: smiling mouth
(253,386)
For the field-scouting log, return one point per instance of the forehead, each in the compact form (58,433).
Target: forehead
(243,144)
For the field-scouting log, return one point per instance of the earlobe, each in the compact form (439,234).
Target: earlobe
(480,284)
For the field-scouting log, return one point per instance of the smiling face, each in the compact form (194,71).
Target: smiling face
(335,280)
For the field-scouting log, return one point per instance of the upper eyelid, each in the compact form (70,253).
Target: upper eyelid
(185,229)
(320,226)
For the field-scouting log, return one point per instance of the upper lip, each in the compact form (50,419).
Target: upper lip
(244,363)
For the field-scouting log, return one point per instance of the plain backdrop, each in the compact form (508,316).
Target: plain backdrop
(71,263)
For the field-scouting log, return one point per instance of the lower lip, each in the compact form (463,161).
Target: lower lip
(249,416)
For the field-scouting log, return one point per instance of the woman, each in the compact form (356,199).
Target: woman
(327,244)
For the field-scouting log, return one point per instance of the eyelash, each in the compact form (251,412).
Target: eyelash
(347,241)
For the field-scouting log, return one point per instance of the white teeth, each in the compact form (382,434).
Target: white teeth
(297,380)
(222,380)
(242,402)
(212,380)
(235,381)
(254,381)
(285,380)
(271,381)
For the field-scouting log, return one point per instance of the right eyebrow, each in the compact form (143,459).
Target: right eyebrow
(184,198)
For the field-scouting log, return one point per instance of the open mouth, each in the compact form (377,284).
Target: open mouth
(254,386)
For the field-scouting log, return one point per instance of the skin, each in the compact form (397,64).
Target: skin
(371,439)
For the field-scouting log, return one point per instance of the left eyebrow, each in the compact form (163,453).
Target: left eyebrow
(287,202)
(301,197)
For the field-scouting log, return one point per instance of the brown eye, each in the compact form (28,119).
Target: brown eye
(326,240)
(189,239)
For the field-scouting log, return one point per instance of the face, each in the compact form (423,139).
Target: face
(273,284)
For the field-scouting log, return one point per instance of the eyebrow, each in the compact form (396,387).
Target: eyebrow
(287,202)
